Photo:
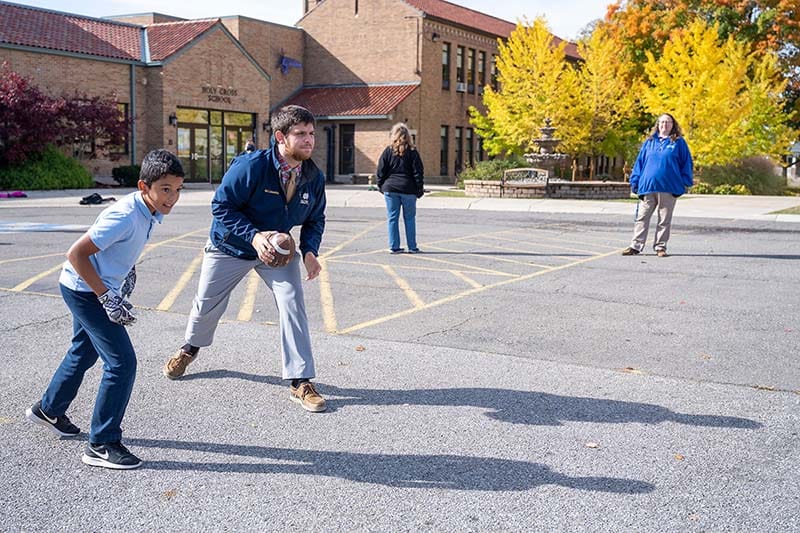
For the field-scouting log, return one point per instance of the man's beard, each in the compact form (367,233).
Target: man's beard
(296,154)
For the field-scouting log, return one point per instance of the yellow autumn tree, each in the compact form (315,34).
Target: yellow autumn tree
(727,100)
(536,83)
(607,98)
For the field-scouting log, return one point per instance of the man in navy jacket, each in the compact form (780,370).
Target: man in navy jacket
(264,192)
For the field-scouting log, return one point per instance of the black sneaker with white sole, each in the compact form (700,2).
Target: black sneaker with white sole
(110,455)
(60,425)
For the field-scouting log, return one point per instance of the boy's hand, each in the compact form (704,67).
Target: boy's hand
(129,283)
(116,309)
(312,266)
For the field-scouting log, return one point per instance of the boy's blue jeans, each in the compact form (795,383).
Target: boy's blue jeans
(93,336)
(408,202)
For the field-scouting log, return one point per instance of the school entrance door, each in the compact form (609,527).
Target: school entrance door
(193,151)
(208,141)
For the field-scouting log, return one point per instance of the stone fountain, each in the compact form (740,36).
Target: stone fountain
(535,181)
(541,163)
(546,156)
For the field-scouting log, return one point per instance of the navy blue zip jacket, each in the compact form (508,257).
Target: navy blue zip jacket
(250,199)
(663,165)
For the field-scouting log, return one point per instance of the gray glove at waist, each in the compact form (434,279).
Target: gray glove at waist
(116,309)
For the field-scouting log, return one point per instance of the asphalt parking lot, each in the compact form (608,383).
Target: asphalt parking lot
(519,374)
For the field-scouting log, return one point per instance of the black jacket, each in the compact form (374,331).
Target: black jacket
(401,174)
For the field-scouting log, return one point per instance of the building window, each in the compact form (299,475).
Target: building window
(347,149)
(460,65)
(494,72)
(124,148)
(471,71)
(444,147)
(446,66)
(481,68)
(468,143)
(480,147)
(459,150)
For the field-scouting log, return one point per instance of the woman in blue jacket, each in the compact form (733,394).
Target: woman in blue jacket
(662,172)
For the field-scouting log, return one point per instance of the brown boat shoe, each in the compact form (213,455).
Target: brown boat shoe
(307,396)
(176,365)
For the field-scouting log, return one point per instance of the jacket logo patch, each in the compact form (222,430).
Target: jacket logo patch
(270,191)
(304,199)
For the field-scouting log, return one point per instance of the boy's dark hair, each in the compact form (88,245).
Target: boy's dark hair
(158,163)
(291,115)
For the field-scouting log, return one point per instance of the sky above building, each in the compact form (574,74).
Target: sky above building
(565,18)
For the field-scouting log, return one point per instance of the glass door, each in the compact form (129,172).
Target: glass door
(235,140)
(193,151)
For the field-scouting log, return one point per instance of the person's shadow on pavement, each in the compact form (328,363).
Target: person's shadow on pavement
(513,406)
(405,471)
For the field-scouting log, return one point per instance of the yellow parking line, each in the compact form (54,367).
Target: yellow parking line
(412,296)
(30,281)
(170,298)
(182,247)
(350,240)
(167,241)
(470,292)
(537,244)
(249,302)
(361,254)
(493,258)
(520,250)
(34,293)
(463,276)
(4,261)
(417,267)
(326,298)
(595,244)
(423,257)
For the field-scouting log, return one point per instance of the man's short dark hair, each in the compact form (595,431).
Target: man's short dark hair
(287,117)
(158,163)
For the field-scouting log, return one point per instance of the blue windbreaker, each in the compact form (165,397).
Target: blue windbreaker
(662,165)
(250,199)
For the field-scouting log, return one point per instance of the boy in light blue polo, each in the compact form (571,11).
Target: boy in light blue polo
(96,280)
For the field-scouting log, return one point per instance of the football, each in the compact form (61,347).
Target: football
(284,246)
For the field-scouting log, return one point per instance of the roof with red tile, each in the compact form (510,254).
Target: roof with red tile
(353,100)
(40,28)
(475,19)
(166,38)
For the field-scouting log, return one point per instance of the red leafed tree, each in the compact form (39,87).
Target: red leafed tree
(28,117)
(31,119)
(91,124)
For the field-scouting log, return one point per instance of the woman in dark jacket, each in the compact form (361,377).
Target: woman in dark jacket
(400,179)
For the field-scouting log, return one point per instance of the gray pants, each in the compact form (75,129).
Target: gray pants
(219,276)
(665,203)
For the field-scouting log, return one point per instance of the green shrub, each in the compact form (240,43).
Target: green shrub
(50,169)
(727,188)
(127,176)
(491,169)
(757,174)
(701,187)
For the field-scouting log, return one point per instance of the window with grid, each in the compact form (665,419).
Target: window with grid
(446,66)
(443,147)
(471,71)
